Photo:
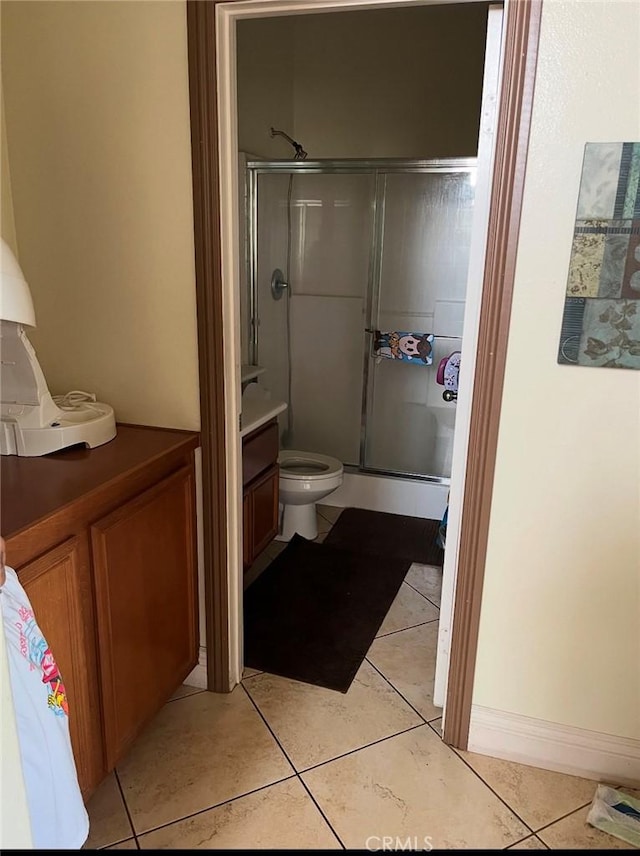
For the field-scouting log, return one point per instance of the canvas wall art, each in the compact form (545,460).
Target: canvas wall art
(601,321)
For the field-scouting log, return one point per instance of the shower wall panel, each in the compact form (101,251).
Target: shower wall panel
(245,287)
(332,221)
(332,235)
(327,339)
(424,258)
(271,314)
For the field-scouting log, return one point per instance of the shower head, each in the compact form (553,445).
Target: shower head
(300,152)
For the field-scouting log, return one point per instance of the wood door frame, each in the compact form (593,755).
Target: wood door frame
(521,32)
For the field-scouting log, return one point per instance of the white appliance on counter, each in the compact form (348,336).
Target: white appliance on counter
(33,422)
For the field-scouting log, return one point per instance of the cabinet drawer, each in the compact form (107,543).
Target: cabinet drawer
(259,452)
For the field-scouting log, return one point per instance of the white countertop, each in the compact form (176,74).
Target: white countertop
(249,372)
(257,411)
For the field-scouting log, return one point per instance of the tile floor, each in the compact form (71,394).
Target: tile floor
(281,764)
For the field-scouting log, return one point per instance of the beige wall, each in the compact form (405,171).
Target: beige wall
(97,115)
(560,625)
(265,85)
(400,83)
(7,224)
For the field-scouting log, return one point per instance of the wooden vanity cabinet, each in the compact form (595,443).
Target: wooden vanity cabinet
(104,543)
(260,478)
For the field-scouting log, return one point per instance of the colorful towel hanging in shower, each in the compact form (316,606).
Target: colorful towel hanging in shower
(408,347)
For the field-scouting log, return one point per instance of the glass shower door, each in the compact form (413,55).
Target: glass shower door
(315,225)
(420,278)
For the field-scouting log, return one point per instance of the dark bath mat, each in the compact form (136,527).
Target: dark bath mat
(378,533)
(314,612)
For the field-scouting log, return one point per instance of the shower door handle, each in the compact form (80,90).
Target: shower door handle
(376,337)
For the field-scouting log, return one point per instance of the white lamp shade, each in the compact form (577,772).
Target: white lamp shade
(15,298)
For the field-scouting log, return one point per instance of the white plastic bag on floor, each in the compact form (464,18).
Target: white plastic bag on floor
(616,813)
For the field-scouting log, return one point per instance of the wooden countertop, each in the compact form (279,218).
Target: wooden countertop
(33,488)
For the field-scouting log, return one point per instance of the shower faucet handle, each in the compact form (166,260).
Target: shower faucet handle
(278,284)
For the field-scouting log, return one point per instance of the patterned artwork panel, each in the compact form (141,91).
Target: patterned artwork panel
(601,321)
(587,253)
(631,276)
(614,261)
(599,183)
(610,334)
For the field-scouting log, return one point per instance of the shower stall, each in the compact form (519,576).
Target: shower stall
(363,246)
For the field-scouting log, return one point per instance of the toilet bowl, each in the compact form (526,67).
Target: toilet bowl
(305,478)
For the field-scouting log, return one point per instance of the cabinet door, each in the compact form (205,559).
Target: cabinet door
(58,585)
(144,557)
(264,509)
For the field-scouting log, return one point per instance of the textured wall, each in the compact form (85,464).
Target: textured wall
(97,113)
(560,628)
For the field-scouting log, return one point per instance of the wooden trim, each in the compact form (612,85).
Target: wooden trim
(201,37)
(512,137)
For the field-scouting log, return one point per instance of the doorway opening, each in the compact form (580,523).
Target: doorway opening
(222,540)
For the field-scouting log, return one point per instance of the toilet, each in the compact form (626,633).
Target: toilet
(305,478)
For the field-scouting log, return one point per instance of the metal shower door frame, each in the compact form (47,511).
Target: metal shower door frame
(380,168)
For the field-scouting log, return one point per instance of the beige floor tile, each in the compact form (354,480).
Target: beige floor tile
(324,526)
(280,817)
(530,843)
(537,796)
(413,786)
(408,660)
(408,610)
(183,691)
(314,724)
(427,579)
(436,724)
(574,833)
(275,548)
(329,512)
(249,673)
(260,564)
(321,537)
(129,844)
(108,821)
(203,751)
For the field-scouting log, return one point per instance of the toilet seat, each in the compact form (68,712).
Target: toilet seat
(295,465)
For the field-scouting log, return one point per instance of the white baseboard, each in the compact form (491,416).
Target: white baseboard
(513,737)
(198,676)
